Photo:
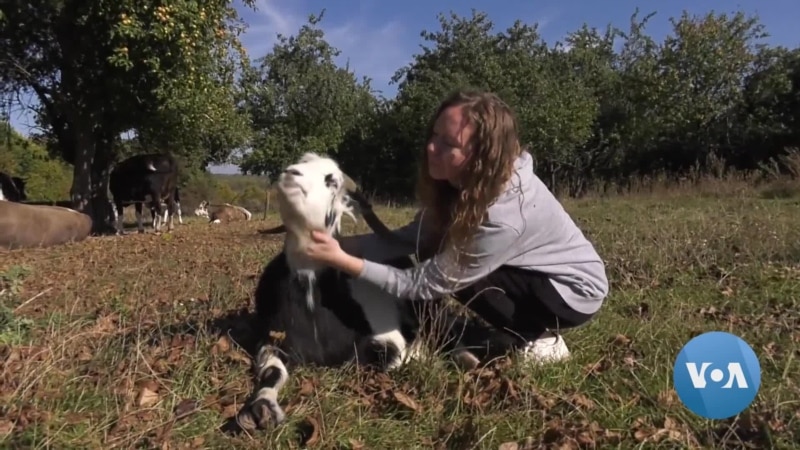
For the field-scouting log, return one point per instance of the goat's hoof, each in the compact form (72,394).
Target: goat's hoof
(246,421)
(465,359)
(267,412)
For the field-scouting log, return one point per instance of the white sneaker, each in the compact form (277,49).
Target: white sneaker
(550,347)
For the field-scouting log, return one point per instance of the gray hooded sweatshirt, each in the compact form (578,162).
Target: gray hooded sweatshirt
(526,227)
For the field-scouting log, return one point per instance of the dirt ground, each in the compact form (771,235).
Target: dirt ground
(135,342)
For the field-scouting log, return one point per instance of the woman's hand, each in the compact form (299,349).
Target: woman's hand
(325,249)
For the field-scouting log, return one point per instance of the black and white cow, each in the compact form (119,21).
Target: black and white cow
(134,179)
(12,188)
(312,315)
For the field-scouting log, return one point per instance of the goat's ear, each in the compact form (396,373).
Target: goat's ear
(356,197)
(349,201)
(308,156)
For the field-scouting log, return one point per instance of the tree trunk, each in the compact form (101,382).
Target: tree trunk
(90,180)
(81,191)
(102,209)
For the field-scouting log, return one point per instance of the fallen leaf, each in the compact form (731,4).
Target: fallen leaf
(643,431)
(238,356)
(84,354)
(777,425)
(583,402)
(185,407)
(222,346)
(630,360)
(310,432)
(306,387)
(106,324)
(6,427)
(568,443)
(667,398)
(508,446)
(612,437)
(642,434)
(586,439)
(597,367)
(727,291)
(406,401)
(621,340)
(148,394)
(229,411)
(356,444)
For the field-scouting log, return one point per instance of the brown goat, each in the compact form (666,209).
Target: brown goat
(26,226)
(224,213)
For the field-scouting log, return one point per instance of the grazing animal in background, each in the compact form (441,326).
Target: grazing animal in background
(202,209)
(223,213)
(134,179)
(26,226)
(310,314)
(164,208)
(12,188)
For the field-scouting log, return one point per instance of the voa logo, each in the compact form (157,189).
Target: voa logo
(717,375)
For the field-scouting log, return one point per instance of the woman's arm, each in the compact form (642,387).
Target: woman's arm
(492,246)
(376,248)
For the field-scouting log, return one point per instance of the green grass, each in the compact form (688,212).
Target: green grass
(109,319)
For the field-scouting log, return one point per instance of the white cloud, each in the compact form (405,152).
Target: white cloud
(373,49)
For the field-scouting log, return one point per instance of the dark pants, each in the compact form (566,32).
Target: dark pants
(520,302)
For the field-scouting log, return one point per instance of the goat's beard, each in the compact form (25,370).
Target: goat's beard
(299,220)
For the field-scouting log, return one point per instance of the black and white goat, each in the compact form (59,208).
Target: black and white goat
(164,207)
(134,179)
(309,314)
(12,188)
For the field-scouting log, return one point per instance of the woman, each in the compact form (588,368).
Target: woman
(509,250)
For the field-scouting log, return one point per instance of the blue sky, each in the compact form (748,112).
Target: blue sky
(378,37)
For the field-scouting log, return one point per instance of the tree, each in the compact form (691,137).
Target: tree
(105,67)
(300,100)
(554,107)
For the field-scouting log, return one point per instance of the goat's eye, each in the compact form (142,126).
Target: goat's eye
(330,181)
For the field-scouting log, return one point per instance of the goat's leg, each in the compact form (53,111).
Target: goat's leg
(139,224)
(155,204)
(387,350)
(153,214)
(262,407)
(171,211)
(118,216)
(164,217)
(470,343)
(461,340)
(178,210)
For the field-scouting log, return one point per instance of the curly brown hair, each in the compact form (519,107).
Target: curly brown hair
(456,213)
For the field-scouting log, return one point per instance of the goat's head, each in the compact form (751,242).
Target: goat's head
(202,209)
(19,183)
(312,195)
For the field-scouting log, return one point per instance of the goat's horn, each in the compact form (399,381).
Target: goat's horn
(279,229)
(349,184)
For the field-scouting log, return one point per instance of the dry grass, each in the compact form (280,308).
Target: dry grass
(122,342)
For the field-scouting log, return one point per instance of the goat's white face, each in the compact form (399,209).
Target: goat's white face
(312,196)
(202,209)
